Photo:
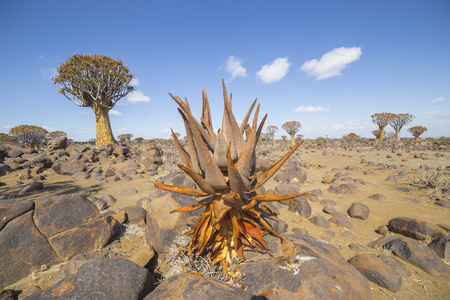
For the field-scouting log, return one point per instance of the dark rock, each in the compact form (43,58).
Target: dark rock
(23,249)
(416,229)
(348,234)
(81,175)
(328,179)
(12,210)
(379,243)
(441,246)
(443,203)
(121,150)
(68,167)
(4,169)
(402,189)
(109,199)
(109,172)
(189,286)
(341,221)
(377,271)
(335,189)
(328,202)
(329,209)
(319,221)
(419,255)
(9,294)
(378,197)
(14,153)
(103,278)
(358,211)
(56,214)
(301,231)
(41,161)
(358,247)
(135,214)
(311,268)
(31,187)
(395,264)
(301,206)
(58,143)
(107,149)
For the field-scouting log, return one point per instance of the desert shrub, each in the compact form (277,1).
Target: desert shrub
(444,139)
(320,140)
(7,138)
(430,139)
(29,135)
(433,179)
(56,134)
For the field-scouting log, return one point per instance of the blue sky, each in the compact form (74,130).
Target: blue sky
(327,64)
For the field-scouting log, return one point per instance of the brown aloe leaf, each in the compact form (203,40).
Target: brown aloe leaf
(209,129)
(243,163)
(234,127)
(199,180)
(185,190)
(251,205)
(212,172)
(271,197)
(191,147)
(183,153)
(254,231)
(234,222)
(220,152)
(206,112)
(238,184)
(247,116)
(189,208)
(267,174)
(219,209)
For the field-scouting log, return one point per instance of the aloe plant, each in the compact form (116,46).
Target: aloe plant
(223,167)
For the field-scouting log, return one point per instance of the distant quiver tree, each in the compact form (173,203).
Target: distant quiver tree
(416,131)
(381,120)
(124,138)
(29,135)
(271,130)
(56,134)
(397,121)
(98,82)
(291,127)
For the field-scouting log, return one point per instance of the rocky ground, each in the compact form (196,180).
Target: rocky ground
(362,194)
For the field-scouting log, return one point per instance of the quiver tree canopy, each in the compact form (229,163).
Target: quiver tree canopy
(271,130)
(291,127)
(95,81)
(397,121)
(416,131)
(29,135)
(381,120)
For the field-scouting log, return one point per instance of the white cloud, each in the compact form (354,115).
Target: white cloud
(49,128)
(437,100)
(134,82)
(49,72)
(312,109)
(137,96)
(337,126)
(319,121)
(332,63)
(115,112)
(430,114)
(275,71)
(351,125)
(234,68)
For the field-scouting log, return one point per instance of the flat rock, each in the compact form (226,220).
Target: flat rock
(194,287)
(334,188)
(9,211)
(31,187)
(23,249)
(377,271)
(415,229)
(81,175)
(442,247)
(103,278)
(69,167)
(128,191)
(395,264)
(378,197)
(135,214)
(419,255)
(319,221)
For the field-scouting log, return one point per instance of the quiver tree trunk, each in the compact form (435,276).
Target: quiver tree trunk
(382,133)
(273,140)
(293,139)
(397,135)
(103,126)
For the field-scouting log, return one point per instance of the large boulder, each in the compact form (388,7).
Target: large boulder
(23,248)
(416,229)
(68,167)
(12,210)
(58,143)
(103,278)
(4,169)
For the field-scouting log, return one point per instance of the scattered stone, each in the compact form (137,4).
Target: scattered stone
(68,167)
(416,229)
(358,247)
(4,169)
(109,199)
(328,179)
(378,197)
(31,187)
(109,172)
(329,209)
(348,234)
(377,271)
(335,189)
(120,217)
(58,143)
(128,191)
(319,221)
(402,189)
(301,231)
(383,229)
(134,214)
(395,264)
(442,247)
(358,211)
(81,175)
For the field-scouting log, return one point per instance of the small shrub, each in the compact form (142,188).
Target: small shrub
(433,179)
(321,140)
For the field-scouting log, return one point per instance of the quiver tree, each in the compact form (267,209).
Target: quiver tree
(284,137)
(376,133)
(381,120)
(351,137)
(291,127)
(7,138)
(125,137)
(416,131)
(222,164)
(56,134)
(397,121)
(271,130)
(98,82)
(29,135)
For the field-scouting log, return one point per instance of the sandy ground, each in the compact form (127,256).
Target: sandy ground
(419,285)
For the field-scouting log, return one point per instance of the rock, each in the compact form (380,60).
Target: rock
(4,169)
(120,217)
(135,214)
(341,220)
(358,211)
(443,203)
(378,197)
(121,150)
(328,179)
(9,294)
(56,214)
(329,209)
(9,211)
(357,247)
(301,207)
(319,221)
(162,226)
(23,249)
(103,278)
(415,229)
(441,246)
(58,143)
(419,255)
(81,175)
(128,191)
(377,271)
(109,199)
(335,189)
(31,187)
(311,268)
(107,149)
(383,230)
(379,243)
(109,172)
(348,234)
(143,256)
(395,264)
(15,153)
(68,167)
(189,287)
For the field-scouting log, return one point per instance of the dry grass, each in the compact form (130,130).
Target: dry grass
(434,179)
